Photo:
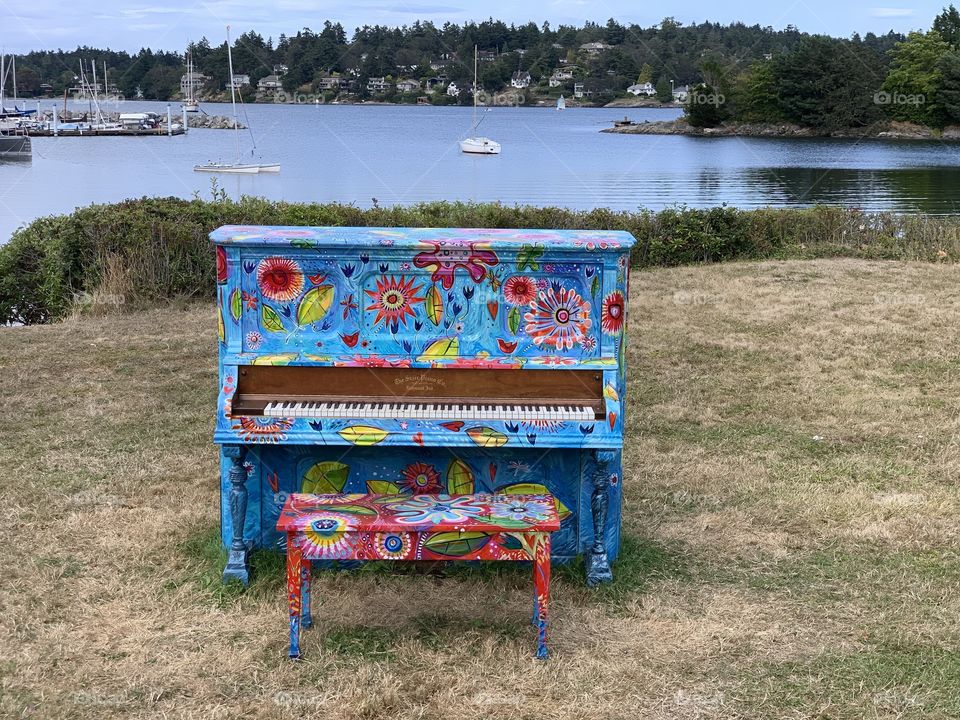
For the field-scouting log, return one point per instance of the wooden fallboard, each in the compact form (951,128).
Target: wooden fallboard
(260,384)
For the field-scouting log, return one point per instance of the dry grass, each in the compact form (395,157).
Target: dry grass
(791,522)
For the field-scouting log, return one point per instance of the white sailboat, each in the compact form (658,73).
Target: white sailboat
(190,104)
(475,145)
(561,103)
(238,167)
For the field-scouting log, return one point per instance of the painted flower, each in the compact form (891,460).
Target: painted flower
(589,343)
(393,546)
(394,299)
(558,317)
(547,426)
(326,537)
(279,278)
(520,290)
(444,259)
(611,315)
(221,264)
(434,509)
(254,340)
(525,510)
(262,429)
(421,478)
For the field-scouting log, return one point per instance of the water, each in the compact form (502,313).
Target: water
(406,154)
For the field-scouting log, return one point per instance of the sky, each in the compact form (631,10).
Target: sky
(171,24)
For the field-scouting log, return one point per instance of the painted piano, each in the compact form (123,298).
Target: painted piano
(402,360)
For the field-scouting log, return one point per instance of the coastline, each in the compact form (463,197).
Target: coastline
(880,131)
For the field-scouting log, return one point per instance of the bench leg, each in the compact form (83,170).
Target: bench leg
(294,593)
(306,620)
(541,589)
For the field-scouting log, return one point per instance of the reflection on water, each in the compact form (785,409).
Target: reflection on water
(408,154)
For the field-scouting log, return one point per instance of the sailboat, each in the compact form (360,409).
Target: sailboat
(190,104)
(561,103)
(237,167)
(475,145)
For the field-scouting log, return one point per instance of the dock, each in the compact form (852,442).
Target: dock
(108,132)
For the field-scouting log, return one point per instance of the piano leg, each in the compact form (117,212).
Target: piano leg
(295,563)
(237,568)
(306,619)
(541,589)
(597,563)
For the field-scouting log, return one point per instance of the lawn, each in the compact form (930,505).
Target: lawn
(791,525)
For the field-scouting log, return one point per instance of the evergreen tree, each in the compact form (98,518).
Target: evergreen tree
(947,24)
(949,96)
(911,88)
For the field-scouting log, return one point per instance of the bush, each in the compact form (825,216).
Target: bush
(154,250)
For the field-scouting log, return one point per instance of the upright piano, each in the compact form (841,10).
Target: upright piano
(408,360)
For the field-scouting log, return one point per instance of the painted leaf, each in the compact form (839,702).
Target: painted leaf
(459,478)
(442,348)
(270,319)
(434,305)
(383,487)
(536,489)
(509,541)
(236,305)
(221,330)
(595,286)
(456,544)
(325,478)
(315,304)
(280,359)
(513,320)
(487,437)
(352,509)
(610,393)
(363,434)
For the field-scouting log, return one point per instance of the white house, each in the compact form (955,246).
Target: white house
(578,90)
(646,89)
(520,79)
(408,86)
(681,93)
(378,85)
(331,82)
(595,48)
(560,76)
(240,80)
(270,82)
(453,90)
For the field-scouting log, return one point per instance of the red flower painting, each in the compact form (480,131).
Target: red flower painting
(558,317)
(394,299)
(221,264)
(279,278)
(444,259)
(421,478)
(520,290)
(611,316)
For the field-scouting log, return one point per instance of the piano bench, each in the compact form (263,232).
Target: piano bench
(416,527)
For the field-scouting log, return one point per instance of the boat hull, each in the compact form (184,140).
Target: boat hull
(233,169)
(480,146)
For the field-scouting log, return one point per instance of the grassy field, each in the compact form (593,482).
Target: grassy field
(792,527)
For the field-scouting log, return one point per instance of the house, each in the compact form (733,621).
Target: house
(647,89)
(280,70)
(438,65)
(423,100)
(520,79)
(486,56)
(681,93)
(330,82)
(578,90)
(239,81)
(189,81)
(269,82)
(595,48)
(436,83)
(453,90)
(408,86)
(378,85)
(560,76)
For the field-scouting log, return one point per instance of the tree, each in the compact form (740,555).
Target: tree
(757,98)
(704,106)
(913,83)
(947,24)
(664,91)
(646,74)
(950,86)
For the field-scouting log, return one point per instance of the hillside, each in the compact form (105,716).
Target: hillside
(790,528)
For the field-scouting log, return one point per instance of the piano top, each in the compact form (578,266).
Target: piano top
(402,237)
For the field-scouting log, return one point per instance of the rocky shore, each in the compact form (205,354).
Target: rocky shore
(213,122)
(881,131)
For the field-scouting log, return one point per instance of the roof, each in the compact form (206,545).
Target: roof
(419,238)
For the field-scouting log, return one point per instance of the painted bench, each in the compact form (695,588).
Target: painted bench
(416,527)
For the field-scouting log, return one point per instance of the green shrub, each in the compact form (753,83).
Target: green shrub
(154,250)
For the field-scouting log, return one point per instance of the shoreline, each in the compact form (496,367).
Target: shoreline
(892,130)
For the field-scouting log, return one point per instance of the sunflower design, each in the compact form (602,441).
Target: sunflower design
(279,278)
(420,478)
(558,317)
(394,299)
(519,290)
(255,429)
(611,316)
(393,546)
(326,537)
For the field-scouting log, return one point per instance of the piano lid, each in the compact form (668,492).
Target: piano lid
(402,237)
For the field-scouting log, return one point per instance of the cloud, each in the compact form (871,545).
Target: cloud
(883,12)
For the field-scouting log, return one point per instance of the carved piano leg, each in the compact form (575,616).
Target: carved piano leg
(597,563)
(306,619)
(541,589)
(237,568)
(294,593)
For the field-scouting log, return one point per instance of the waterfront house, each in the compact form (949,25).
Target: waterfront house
(189,83)
(270,83)
(378,85)
(578,90)
(681,93)
(453,90)
(561,75)
(330,82)
(520,79)
(435,83)
(239,81)
(646,89)
(406,86)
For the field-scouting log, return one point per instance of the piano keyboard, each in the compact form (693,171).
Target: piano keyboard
(428,411)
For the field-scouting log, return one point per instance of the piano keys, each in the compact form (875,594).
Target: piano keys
(377,360)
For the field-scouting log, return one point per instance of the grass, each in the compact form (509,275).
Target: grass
(790,529)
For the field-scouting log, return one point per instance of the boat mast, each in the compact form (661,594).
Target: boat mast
(474,89)
(233,98)
(3,79)
(13,65)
